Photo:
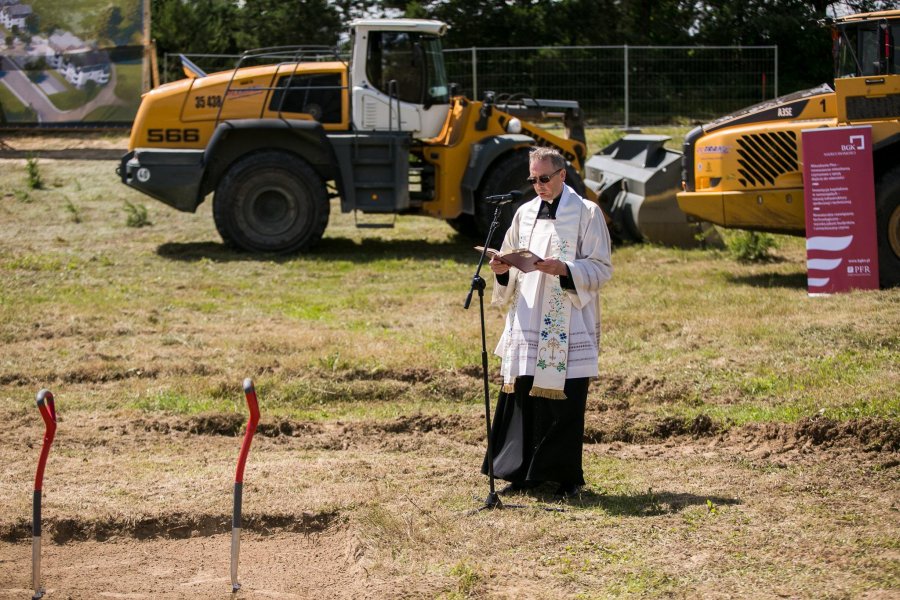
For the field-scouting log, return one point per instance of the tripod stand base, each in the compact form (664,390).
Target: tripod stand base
(493,502)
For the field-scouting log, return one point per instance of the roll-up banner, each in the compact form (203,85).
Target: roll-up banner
(839,194)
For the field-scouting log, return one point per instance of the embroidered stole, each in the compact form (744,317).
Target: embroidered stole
(557,239)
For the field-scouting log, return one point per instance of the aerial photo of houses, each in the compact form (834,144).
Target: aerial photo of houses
(73,62)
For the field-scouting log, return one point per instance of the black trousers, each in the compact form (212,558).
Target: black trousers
(538,439)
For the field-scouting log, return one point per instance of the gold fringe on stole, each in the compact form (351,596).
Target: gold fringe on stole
(547,393)
(508,388)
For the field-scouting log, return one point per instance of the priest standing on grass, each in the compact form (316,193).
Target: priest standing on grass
(551,342)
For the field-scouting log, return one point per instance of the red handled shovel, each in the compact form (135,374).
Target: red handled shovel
(48,413)
(252,404)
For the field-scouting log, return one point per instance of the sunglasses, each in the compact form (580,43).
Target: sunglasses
(543,178)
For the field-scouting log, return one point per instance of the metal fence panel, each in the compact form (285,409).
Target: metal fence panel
(626,85)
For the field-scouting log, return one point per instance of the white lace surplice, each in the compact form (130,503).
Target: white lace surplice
(590,269)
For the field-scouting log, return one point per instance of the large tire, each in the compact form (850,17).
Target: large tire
(271,202)
(464,225)
(887,214)
(509,173)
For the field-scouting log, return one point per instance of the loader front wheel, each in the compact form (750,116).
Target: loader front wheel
(464,225)
(887,214)
(271,202)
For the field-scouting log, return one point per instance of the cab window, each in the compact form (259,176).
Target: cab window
(318,95)
(391,57)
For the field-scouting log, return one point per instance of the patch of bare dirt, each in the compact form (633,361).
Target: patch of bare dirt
(233,424)
(172,526)
(623,426)
(392,500)
(327,564)
(227,424)
(659,391)
(70,145)
(868,434)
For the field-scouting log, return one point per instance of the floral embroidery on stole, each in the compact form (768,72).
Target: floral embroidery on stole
(553,341)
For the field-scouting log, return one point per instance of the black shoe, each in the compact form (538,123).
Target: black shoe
(518,486)
(566,490)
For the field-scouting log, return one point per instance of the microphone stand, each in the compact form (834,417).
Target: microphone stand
(493,499)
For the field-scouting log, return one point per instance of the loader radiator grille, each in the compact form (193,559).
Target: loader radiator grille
(860,108)
(763,157)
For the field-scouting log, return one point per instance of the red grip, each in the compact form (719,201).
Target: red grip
(48,414)
(253,405)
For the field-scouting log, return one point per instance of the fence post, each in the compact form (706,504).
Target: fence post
(474,73)
(626,87)
(165,75)
(776,72)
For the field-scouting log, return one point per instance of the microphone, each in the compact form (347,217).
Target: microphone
(504,198)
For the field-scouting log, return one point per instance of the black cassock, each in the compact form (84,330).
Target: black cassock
(538,439)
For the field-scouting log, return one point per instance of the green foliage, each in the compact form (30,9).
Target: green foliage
(35,69)
(229,27)
(74,212)
(750,246)
(32,23)
(137,215)
(803,46)
(23,196)
(279,23)
(467,579)
(35,181)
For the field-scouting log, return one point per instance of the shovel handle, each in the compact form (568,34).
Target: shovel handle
(48,414)
(253,405)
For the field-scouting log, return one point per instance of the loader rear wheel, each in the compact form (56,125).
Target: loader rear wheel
(271,202)
(507,174)
(887,214)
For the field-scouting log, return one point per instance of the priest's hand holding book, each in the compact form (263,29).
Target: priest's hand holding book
(525,261)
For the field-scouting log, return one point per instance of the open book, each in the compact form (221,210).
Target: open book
(520,258)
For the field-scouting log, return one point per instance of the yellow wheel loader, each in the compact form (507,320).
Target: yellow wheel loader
(745,170)
(384,132)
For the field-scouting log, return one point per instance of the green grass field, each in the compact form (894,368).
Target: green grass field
(741,342)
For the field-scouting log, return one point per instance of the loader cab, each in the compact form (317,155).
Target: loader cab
(398,79)
(867,67)
(867,45)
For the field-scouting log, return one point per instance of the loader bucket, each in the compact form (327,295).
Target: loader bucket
(636,179)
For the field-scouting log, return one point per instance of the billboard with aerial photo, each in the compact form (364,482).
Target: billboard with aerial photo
(72,62)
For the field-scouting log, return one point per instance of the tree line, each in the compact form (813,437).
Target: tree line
(232,26)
